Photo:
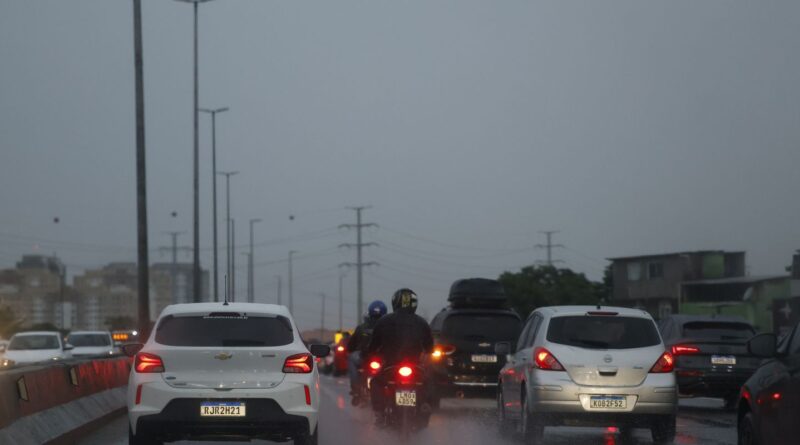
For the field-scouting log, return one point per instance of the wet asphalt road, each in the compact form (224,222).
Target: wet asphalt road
(469,421)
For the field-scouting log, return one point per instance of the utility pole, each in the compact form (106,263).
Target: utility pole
(280,286)
(174,269)
(233,259)
(549,246)
(228,228)
(250,268)
(291,296)
(322,318)
(213,113)
(359,264)
(342,274)
(141,177)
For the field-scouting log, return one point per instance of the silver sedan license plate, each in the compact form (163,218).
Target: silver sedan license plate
(405,398)
(484,358)
(222,409)
(723,360)
(608,402)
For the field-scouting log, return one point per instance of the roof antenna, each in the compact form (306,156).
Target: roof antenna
(226,291)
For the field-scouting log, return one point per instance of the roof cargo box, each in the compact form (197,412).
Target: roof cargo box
(477,292)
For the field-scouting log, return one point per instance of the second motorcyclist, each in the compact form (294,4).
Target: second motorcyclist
(357,347)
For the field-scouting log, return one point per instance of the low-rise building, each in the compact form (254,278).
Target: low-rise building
(654,282)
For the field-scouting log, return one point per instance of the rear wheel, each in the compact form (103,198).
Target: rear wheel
(747,432)
(308,439)
(532,430)
(139,439)
(663,430)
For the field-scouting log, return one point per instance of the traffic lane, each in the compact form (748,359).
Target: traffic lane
(470,421)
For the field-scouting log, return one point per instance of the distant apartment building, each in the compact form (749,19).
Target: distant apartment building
(655,282)
(112,291)
(35,291)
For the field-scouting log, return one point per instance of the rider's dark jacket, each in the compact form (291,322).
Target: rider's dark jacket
(400,336)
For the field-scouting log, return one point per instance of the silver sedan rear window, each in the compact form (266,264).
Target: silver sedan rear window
(603,332)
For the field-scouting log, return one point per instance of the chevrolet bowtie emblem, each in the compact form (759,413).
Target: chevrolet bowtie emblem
(223,356)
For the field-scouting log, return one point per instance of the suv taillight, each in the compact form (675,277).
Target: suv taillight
(684,350)
(544,359)
(148,363)
(664,364)
(298,364)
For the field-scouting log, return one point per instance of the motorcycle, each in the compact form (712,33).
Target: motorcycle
(403,392)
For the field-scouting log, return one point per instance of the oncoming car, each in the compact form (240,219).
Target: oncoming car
(211,372)
(585,365)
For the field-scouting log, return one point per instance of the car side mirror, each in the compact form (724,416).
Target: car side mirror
(763,345)
(68,347)
(132,349)
(320,350)
(502,348)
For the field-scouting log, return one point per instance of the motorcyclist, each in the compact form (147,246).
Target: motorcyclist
(401,335)
(357,346)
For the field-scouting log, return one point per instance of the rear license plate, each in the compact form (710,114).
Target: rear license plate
(723,360)
(405,398)
(608,402)
(484,358)
(222,409)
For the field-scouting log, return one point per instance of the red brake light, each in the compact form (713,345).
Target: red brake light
(665,363)
(607,313)
(340,348)
(298,364)
(684,350)
(545,360)
(146,363)
(405,371)
(374,365)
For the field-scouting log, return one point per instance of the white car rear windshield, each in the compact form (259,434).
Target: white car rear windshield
(34,342)
(89,340)
(224,329)
(603,332)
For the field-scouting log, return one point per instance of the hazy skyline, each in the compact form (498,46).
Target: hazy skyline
(470,126)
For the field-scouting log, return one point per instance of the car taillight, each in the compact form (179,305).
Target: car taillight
(440,351)
(340,348)
(684,350)
(146,363)
(405,371)
(374,366)
(665,363)
(544,359)
(298,364)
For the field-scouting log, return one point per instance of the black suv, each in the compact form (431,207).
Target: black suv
(464,361)
(711,357)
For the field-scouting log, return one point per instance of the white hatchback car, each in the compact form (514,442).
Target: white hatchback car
(35,346)
(586,365)
(211,371)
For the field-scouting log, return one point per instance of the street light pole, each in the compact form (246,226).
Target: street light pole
(228,228)
(291,296)
(322,318)
(250,267)
(213,113)
(143,306)
(341,298)
(196,281)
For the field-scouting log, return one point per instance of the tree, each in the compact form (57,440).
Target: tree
(536,286)
(8,322)
(120,323)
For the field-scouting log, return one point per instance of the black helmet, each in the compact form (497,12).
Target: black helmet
(404,300)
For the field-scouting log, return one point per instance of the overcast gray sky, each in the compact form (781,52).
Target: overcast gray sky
(632,127)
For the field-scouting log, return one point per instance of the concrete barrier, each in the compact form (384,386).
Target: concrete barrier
(41,404)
